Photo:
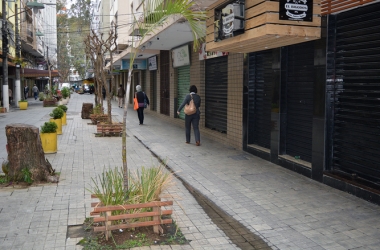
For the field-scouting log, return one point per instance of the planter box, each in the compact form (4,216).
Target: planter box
(50,103)
(3,110)
(49,142)
(115,129)
(96,118)
(59,125)
(106,221)
(23,105)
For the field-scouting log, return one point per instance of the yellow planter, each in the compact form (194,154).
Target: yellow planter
(64,121)
(23,105)
(59,125)
(49,142)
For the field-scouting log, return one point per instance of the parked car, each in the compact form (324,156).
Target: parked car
(86,88)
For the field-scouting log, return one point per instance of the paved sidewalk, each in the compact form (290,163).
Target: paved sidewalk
(287,210)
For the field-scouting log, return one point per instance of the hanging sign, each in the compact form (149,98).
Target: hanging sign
(203,54)
(152,63)
(296,10)
(229,20)
(137,64)
(181,56)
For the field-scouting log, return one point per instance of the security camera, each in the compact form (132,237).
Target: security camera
(158,38)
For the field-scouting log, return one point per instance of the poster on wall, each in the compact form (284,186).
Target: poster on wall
(181,56)
(152,63)
(137,64)
(296,10)
(203,54)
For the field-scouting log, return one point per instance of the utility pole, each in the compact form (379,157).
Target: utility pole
(4,30)
(18,66)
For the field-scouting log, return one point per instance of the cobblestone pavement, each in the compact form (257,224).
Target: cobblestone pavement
(287,210)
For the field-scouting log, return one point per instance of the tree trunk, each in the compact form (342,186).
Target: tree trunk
(25,151)
(87,110)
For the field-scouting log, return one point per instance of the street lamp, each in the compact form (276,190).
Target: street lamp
(32,5)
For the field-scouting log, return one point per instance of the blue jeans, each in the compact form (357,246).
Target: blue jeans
(35,95)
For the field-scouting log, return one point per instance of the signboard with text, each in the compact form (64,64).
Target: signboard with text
(181,56)
(296,10)
(152,63)
(137,64)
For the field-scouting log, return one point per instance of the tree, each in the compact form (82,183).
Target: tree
(97,48)
(155,14)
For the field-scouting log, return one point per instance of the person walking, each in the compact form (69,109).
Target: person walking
(194,118)
(26,91)
(143,101)
(120,95)
(35,91)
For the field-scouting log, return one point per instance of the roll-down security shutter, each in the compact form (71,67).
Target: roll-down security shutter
(259,98)
(183,86)
(299,64)
(216,94)
(356,133)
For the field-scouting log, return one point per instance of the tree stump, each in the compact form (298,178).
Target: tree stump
(87,110)
(25,151)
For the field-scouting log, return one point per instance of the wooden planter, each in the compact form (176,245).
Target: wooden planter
(96,118)
(106,221)
(115,129)
(49,103)
(3,110)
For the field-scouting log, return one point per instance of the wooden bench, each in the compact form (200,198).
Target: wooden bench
(126,219)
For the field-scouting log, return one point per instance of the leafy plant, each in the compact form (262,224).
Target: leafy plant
(108,187)
(65,91)
(57,113)
(49,127)
(138,241)
(23,100)
(98,110)
(63,107)
(41,96)
(27,175)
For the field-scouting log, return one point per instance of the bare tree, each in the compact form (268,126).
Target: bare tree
(97,49)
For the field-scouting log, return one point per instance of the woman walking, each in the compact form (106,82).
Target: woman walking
(143,101)
(194,118)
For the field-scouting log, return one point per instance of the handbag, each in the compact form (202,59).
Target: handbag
(190,108)
(135,103)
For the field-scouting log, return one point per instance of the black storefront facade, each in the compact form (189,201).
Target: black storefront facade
(314,107)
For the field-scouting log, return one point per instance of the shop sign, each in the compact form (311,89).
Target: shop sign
(229,20)
(137,64)
(152,63)
(296,10)
(181,56)
(203,54)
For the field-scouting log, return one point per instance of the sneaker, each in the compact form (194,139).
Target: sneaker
(198,143)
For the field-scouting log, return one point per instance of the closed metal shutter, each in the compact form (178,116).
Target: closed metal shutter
(165,82)
(299,80)
(183,86)
(259,98)
(153,89)
(216,94)
(356,133)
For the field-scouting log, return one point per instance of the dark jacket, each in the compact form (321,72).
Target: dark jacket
(120,92)
(140,98)
(196,99)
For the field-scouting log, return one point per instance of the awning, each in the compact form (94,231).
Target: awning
(38,73)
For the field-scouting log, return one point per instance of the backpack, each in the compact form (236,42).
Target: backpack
(190,108)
